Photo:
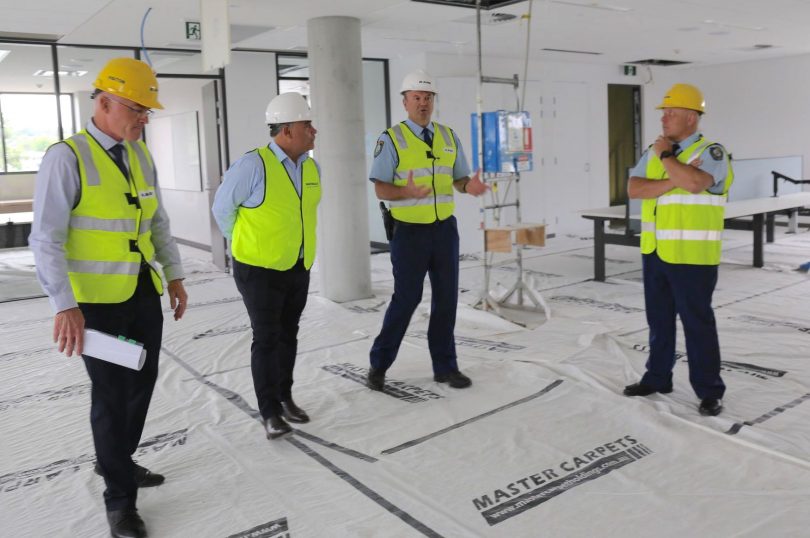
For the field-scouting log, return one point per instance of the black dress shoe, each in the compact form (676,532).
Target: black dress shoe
(126,523)
(275,426)
(144,478)
(293,413)
(710,407)
(455,379)
(375,379)
(640,389)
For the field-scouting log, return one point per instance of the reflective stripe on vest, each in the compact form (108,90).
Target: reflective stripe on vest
(681,226)
(104,226)
(436,173)
(271,234)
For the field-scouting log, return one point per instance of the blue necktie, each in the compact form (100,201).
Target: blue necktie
(117,152)
(428,138)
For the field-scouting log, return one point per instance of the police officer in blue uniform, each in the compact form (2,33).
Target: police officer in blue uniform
(417,165)
(683,181)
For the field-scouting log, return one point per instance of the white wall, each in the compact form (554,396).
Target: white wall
(250,84)
(756,109)
(17,186)
(188,210)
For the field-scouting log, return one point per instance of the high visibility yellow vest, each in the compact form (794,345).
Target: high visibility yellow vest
(111,226)
(271,234)
(431,167)
(684,227)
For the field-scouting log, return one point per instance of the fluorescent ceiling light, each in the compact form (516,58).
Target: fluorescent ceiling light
(593,5)
(734,25)
(49,73)
(3,54)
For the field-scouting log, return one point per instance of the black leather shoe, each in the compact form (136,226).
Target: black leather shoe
(456,379)
(275,426)
(640,389)
(710,407)
(293,413)
(144,478)
(375,379)
(126,523)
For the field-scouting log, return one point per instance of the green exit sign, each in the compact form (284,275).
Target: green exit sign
(193,31)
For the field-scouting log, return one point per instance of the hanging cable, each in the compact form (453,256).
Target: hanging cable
(143,45)
(528,17)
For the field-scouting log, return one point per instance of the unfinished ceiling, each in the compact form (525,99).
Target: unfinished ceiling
(615,31)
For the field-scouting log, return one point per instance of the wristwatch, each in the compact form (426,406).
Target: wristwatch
(666,153)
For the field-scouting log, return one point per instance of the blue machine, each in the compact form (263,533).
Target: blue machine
(507,141)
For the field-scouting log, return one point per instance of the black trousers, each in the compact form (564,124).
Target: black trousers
(274,302)
(120,396)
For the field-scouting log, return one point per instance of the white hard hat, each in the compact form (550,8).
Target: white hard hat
(418,81)
(287,108)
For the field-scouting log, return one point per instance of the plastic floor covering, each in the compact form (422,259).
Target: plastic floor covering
(542,445)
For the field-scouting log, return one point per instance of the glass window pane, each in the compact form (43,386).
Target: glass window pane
(25,69)
(29,128)
(292,66)
(297,86)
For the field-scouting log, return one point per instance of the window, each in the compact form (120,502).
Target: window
(28,126)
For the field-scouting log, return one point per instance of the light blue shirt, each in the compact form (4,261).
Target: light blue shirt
(386,159)
(712,165)
(243,185)
(57,190)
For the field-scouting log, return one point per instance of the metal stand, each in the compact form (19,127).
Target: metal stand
(514,296)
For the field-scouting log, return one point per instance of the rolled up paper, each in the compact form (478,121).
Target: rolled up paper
(115,349)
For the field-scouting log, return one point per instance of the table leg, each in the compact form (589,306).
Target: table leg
(599,250)
(758,225)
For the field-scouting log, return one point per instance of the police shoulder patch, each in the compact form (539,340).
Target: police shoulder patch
(716,152)
(378,149)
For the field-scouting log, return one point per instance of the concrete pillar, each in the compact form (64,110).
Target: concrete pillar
(336,94)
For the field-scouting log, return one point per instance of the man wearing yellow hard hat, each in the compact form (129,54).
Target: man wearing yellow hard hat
(98,235)
(683,181)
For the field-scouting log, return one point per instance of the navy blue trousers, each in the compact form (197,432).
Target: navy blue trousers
(274,302)
(120,397)
(685,290)
(417,250)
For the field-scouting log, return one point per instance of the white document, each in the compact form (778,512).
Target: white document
(114,349)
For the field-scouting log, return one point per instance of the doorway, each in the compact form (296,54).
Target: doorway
(624,137)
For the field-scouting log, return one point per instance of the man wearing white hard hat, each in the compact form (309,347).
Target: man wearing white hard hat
(267,207)
(417,165)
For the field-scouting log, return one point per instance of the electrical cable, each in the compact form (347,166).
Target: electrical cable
(522,103)
(143,45)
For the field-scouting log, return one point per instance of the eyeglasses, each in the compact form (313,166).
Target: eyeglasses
(141,112)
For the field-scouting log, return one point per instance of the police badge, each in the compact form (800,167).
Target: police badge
(716,152)
(379,147)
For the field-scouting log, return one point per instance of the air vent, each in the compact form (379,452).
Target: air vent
(568,51)
(659,62)
(485,4)
(489,18)
(22,36)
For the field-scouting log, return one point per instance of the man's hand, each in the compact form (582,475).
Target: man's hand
(661,144)
(178,298)
(68,331)
(475,186)
(412,190)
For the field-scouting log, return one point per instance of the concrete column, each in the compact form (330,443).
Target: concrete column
(336,93)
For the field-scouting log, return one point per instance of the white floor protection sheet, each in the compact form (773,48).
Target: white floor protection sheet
(543,444)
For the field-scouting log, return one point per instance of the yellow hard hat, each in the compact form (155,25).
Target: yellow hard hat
(131,79)
(683,96)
